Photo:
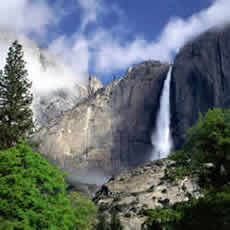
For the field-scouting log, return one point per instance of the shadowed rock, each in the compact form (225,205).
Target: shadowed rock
(200,80)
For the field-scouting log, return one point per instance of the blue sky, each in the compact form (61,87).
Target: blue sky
(146,19)
(141,17)
(105,37)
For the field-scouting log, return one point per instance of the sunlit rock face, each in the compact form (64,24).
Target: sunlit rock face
(94,84)
(110,130)
(50,106)
(143,188)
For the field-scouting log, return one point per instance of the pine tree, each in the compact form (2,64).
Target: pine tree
(16,117)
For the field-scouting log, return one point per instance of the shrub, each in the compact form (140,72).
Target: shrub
(85,211)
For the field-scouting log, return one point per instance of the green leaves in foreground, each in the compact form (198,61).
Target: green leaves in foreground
(32,192)
(85,211)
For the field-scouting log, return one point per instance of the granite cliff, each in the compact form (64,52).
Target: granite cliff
(110,129)
(200,80)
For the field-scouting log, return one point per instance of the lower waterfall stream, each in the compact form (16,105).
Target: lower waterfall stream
(161,137)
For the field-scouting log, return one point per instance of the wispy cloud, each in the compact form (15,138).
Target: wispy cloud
(108,51)
(113,54)
(91,11)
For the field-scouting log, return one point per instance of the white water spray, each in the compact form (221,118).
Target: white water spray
(161,138)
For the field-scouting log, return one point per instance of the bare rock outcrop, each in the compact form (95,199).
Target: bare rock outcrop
(93,85)
(133,192)
(54,104)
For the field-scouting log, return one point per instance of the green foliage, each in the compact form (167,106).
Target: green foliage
(32,192)
(103,224)
(85,211)
(209,212)
(114,223)
(162,218)
(15,99)
(176,172)
(208,142)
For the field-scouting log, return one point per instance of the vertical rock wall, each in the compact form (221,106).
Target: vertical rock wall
(110,130)
(200,80)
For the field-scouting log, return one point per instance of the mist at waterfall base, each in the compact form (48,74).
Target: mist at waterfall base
(161,137)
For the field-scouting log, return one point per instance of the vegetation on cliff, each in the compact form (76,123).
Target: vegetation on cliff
(113,224)
(206,154)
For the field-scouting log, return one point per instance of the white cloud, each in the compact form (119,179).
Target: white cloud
(74,55)
(113,55)
(26,16)
(21,18)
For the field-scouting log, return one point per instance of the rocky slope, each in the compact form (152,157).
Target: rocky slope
(200,80)
(110,130)
(146,187)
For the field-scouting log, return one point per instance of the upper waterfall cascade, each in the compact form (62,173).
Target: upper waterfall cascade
(161,137)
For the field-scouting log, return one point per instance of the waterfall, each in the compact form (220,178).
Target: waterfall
(161,138)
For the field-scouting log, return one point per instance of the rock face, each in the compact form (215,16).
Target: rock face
(200,80)
(110,130)
(146,187)
(50,106)
(93,85)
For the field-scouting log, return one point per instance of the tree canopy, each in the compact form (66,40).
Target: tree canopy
(33,192)
(208,143)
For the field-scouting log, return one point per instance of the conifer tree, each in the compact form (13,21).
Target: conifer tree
(16,117)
